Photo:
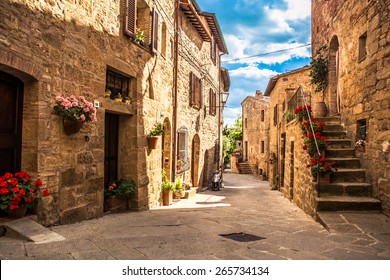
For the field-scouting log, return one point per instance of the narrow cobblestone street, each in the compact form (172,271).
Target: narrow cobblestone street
(192,229)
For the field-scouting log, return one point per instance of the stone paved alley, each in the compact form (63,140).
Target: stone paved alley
(191,229)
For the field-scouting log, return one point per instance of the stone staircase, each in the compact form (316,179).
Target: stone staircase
(245,168)
(348,189)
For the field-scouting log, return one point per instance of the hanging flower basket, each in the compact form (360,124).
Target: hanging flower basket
(152,142)
(70,126)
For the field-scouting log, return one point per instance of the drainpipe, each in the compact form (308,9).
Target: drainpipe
(219,116)
(175,92)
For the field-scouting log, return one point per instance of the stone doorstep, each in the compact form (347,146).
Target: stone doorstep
(26,228)
(190,193)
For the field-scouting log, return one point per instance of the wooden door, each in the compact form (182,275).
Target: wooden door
(11,112)
(111,148)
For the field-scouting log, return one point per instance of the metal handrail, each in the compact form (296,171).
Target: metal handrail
(310,121)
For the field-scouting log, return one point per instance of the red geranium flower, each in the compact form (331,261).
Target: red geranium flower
(304,147)
(45,192)
(310,135)
(327,166)
(322,159)
(3,184)
(28,200)
(16,189)
(22,192)
(38,182)
(13,181)
(4,191)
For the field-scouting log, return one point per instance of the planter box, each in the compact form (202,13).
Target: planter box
(116,204)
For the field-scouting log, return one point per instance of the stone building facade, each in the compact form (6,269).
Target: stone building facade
(255,128)
(88,48)
(357,36)
(287,161)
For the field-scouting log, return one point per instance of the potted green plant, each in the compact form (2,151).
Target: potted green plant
(140,36)
(153,135)
(116,194)
(168,188)
(178,192)
(319,78)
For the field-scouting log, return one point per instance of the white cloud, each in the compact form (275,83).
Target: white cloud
(252,72)
(241,48)
(230,115)
(296,10)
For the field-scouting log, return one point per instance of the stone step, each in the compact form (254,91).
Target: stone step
(330,120)
(345,162)
(340,153)
(347,203)
(345,189)
(334,134)
(28,229)
(333,127)
(340,143)
(348,175)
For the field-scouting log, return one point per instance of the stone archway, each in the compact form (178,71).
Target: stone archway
(166,145)
(195,160)
(334,93)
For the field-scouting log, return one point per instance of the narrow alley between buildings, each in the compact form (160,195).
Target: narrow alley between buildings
(245,220)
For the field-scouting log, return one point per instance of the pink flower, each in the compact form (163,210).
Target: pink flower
(82,117)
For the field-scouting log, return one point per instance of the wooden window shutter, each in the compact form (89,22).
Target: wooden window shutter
(130,18)
(200,97)
(213,50)
(192,89)
(154,43)
(211,101)
(215,103)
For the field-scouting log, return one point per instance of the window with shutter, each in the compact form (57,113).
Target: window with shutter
(130,17)
(154,42)
(213,50)
(192,88)
(215,102)
(211,102)
(182,148)
(200,95)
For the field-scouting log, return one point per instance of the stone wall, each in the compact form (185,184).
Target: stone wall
(64,48)
(194,56)
(255,132)
(287,161)
(362,84)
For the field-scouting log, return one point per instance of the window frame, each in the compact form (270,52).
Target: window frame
(196,95)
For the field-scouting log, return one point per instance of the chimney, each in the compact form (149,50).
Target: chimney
(259,94)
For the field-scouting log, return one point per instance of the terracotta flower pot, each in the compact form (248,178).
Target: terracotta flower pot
(18,213)
(320,110)
(71,127)
(152,142)
(167,197)
(324,178)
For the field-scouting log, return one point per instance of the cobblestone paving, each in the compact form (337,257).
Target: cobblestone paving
(192,229)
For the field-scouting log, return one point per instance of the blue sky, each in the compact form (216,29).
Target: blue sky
(252,27)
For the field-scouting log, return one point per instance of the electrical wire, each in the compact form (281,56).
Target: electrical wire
(264,54)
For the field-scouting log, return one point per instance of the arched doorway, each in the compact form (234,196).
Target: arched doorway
(334,93)
(11,114)
(166,153)
(195,160)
